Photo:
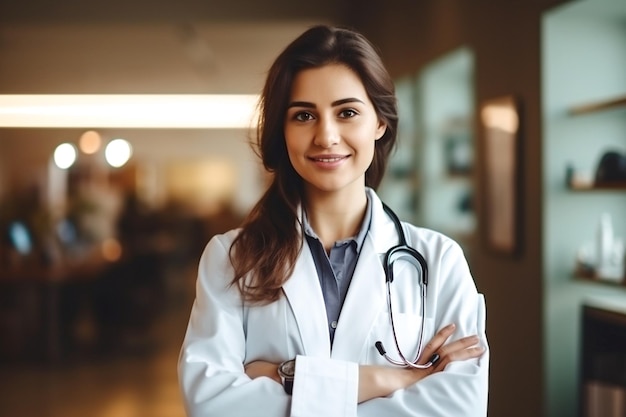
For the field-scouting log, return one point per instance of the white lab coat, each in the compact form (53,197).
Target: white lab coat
(224,334)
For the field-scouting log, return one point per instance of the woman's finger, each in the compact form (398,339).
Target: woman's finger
(436,342)
(441,353)
(459,355)
(458,345)
(462,349)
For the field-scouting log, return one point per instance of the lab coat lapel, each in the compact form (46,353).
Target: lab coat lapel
(305,298)
(367,293)
(365,298)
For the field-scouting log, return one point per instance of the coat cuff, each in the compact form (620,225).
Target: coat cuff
(324,387)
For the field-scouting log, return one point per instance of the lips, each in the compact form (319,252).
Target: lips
(328,158)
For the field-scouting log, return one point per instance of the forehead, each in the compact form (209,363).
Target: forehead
(327,83)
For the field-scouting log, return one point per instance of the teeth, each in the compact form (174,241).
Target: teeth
(328,159)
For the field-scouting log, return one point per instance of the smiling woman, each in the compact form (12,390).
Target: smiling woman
(330,136)
(292,308)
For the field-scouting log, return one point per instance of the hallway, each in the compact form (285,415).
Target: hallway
(135,383)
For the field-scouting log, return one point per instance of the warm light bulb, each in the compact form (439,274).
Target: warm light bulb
(502,117)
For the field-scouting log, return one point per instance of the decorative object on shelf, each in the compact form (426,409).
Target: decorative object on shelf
(611,169)
(500,122)
(458,147)
(609,251)
(606,259)
(609,174)
(578,179)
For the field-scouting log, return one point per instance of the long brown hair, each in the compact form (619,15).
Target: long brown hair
(270,240)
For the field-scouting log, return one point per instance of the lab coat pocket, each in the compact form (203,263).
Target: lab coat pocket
(407,329)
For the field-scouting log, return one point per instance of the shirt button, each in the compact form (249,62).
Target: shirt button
(333,324)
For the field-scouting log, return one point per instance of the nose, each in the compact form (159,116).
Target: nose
(327,133)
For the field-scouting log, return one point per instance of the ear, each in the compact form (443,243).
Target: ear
(381,129)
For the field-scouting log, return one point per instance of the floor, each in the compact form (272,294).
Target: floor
(139,383)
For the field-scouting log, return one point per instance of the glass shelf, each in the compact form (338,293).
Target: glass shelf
(617,186)
(588,276)
(615,103)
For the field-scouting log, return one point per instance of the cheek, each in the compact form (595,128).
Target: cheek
(367,132)
(294,148)
(365,141)
(290,142)
(293,156)
(295,152)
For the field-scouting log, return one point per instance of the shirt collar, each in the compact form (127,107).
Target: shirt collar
(359,238)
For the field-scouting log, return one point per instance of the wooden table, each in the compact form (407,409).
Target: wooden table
(49,282)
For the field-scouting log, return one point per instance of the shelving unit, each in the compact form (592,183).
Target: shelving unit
(603,388)
(584,109)
(595,107)
(615,103)
(446,104)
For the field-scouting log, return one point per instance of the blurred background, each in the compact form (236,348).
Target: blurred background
(512,141)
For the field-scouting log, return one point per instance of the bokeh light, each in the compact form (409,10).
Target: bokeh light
(65,155)
(111,249)
(118,152)
(90,142)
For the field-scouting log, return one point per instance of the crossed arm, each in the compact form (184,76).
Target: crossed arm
(380,381)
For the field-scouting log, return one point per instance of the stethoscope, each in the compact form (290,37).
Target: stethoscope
(407,253)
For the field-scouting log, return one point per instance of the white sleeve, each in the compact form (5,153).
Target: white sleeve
(462,388)
(210,369)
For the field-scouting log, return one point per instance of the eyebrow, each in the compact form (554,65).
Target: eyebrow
(333,104)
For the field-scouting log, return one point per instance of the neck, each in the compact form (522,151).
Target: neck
(335,217)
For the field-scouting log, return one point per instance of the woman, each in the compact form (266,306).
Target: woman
(301,285)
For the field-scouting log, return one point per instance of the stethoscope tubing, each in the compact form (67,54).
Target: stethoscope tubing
(388,266)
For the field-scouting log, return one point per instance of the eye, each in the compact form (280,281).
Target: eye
(303,116)
(348,113)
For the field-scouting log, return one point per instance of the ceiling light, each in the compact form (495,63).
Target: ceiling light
(175,111)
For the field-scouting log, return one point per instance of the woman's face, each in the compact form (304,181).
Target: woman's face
(331,128)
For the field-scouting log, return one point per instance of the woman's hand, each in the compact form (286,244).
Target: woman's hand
(380,381)
(459,350)
(262,368)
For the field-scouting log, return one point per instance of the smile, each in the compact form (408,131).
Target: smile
(328,159)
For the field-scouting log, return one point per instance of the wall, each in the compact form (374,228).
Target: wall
(3,177)
(583,62)
(504,38)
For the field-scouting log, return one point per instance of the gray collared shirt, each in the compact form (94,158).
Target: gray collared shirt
(335,269)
